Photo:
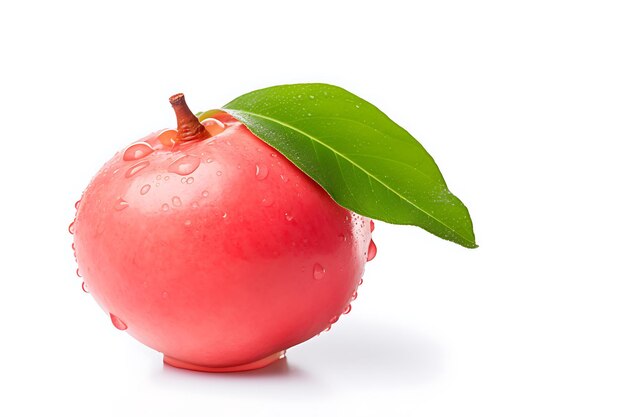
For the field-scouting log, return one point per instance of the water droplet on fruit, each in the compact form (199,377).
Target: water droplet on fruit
(361,281)
(136,168)
(318,271)
(70,228)
(218,173)
(184,165)
(166,178)
(78,273)
(333,320)
(267,201)
(158,177)
(208,161)
(205,193)
(144,189)
(371,251)
(284,178)
(137,151)
(117,322)
(194,205)
(187,222)
(311,97)
(327,329)
(224,215)
(261,172)
(165,207)
(176,202)
(213,126)
(347,309)
(354,296)
(372,225)
(168,138)
(273,155)
(183,180)
(342,237)
(77,204)
(288,217)
(120,204)
(84,287)
(190,180)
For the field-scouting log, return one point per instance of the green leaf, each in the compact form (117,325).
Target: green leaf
(365,161)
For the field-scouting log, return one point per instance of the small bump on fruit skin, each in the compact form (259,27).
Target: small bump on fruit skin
(243,243)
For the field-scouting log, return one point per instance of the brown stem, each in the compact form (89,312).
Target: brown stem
(189,127)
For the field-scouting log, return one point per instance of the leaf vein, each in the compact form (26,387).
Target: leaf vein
(356,165)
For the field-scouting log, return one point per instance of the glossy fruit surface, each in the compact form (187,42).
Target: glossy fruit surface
(217,252)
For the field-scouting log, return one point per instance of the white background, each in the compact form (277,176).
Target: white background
(523,106)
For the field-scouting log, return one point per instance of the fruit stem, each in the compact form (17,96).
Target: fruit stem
(189,127)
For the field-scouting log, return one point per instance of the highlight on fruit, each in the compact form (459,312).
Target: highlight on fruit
(246,230)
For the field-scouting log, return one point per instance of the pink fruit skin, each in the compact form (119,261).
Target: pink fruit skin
(242,258)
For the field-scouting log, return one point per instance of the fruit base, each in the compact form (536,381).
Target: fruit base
(261,363)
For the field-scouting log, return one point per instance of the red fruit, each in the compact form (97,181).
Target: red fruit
(209,246)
